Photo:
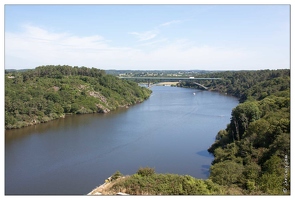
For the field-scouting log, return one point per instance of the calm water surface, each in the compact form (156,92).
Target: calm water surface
(171,132)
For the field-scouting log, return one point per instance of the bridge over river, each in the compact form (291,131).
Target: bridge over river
(148,78)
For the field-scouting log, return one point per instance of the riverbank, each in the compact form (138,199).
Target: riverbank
(50,92)
(100,109)
(167,83)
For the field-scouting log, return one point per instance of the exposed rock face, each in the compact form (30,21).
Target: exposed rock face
(55,88)
(102,109)
(99,96)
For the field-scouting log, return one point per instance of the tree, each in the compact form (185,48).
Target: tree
(226,173)
(146,171)
(242,116)
(272,181)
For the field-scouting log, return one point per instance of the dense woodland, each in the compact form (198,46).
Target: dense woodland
(50,92)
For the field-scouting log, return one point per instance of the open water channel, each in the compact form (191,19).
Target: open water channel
(171,132)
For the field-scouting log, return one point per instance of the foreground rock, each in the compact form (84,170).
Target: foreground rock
(104,189)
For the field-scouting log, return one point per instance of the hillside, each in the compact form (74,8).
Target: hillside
(50,92)
(253,151)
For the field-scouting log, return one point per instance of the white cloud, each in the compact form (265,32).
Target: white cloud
(151,34)
(35,47)
(143,36)
(169,23)
(40,46)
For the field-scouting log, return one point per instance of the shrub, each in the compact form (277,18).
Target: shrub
(116,175)
(146,171)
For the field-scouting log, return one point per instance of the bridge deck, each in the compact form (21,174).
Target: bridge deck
(167,78)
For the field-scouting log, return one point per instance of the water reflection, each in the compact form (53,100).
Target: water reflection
(205,153)
(69,122)
(72,121)
(205,170)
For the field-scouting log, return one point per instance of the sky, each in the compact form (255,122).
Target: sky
(148,37)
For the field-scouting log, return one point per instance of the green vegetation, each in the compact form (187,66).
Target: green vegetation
(253,152)
(49,92)
(147,182)
(116,175)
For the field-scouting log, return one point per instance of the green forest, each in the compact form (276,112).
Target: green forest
(50,92)
(253,152)
(251,155)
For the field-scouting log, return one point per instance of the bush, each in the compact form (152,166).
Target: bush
(147,171)
(165,184)
(116,175)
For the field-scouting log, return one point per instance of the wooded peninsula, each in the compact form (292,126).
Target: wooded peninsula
(50,92)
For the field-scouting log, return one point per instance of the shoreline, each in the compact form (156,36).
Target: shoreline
(101,110)
(166,83)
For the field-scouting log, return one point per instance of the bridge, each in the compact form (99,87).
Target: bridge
(148,78)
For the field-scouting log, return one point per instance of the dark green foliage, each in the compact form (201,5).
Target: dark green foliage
(50,92)
(116,175)
(250,153)
(226,173)
(242,116)
(272,181)
(146,171)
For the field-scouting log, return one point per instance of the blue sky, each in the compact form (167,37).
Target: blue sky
(208,37)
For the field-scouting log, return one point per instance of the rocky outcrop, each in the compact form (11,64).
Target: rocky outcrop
(99,96)
(102,109)
(105,189)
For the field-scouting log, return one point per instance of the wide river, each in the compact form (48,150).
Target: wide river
(171,132)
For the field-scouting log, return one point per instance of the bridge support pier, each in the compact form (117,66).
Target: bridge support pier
(201,85)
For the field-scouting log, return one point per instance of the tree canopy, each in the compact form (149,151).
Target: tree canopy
(49,92)
(253,152)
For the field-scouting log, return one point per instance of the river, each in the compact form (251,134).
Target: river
(171,132)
